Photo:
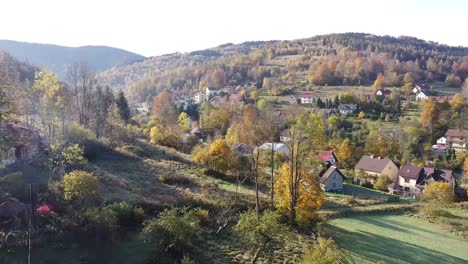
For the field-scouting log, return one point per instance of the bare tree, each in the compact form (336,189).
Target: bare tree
(82,81)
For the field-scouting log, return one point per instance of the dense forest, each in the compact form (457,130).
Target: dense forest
(335,59)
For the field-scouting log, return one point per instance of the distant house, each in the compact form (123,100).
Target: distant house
(413,179)
(420,88)
(199,98)
(293,99)
(383,92)
(211,91)
(457,139)
(328,157)
(442,142)
(216,101)
(423,95)
(285,135)
(242,149)
(277,147)
(332,179)
(197,133)
(347,109)
(229,89)
(26,145)
(307,98)
(377,166)
(409,178)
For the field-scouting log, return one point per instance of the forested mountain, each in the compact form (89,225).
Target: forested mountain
(55,58)
(335,59)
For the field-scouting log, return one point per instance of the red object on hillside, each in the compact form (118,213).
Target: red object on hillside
(45,210)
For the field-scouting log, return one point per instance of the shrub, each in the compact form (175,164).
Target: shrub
(433,212)
(175,179)
(438,192)
(101,221)
(176,229)
(187,260)
(382,183)
(80,186)
(127,214)
(324,251)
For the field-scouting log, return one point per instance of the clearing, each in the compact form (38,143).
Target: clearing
(396,239)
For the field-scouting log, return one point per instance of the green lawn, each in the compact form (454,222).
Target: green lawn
(396,239)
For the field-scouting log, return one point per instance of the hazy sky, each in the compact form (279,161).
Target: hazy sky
(155,27)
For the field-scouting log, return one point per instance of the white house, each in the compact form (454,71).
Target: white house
(442,142)
(332,180)
(277,147)
(423,95)
(199,98)
(210,91)
(420,88)
(307,98)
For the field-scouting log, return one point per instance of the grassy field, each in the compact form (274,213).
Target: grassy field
(396,239)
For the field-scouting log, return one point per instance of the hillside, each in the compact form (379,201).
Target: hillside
(55,58)
(335,59)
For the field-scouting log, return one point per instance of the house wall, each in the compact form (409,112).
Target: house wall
(391,170)
(411,184)
(334,182)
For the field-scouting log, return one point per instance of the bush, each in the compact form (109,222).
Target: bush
(433,212)
(127,214)
(324,251)
(80,186)
(176,229)
(101,221)
(175,180)
(382,183)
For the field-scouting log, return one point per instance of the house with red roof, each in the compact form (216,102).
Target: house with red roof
(328,157)
(307,98)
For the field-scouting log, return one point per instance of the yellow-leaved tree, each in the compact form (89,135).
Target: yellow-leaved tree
(310,196)
(465,167)
(344,154)
(438,192)
(81,187)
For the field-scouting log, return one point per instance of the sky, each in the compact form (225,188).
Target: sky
(154,27)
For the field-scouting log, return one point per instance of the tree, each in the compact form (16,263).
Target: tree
(123,108)
(82,81)
(345,154)
(303,197)
(6,107)
(164,110)
(104,100)
(428,112)
(457,103)
(259,231)
(379,82)
(51,102)
(81,187)
(438,192)
(324,251)
(184,121)
(465,168)
(464,89)
(382,183)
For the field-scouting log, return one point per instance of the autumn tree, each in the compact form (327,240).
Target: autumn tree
(123,108)
(382,183)
(51,101)
(184,121)
(362,115)
(438,192)
(379,82)
(80,187)
(428,112)
(465,168)
(305,198)
(6,106)
(345,154)
(164,110)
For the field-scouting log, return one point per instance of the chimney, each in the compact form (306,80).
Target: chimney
(379,157)
(372,156)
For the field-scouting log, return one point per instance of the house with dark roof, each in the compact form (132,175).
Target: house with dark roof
(328,112)
(347,109)
(377,166)
(285,135)
(413,179)
(457,139)
(421,87)
(383,92)
(293,99)
(210,91)
(423,95)
(409,179)
(332,179)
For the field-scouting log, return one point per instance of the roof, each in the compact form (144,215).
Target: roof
(236,97)
(456,133)
(347,107)
(212,88)
(308,95)
(329,172)
(372,164)
(384,91)
(325,156)
(242,148)
(423,86)
(410,171)
(285,133)
(195,130)
(426,93)
(394,186)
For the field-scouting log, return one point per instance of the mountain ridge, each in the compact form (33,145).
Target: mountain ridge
(55,57)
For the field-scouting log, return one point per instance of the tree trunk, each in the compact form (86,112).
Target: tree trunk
(257,253)
(272,183)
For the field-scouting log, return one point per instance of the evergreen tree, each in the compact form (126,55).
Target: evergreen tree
(122,106)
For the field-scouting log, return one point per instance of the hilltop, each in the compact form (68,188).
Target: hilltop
(334,59)
(55,58)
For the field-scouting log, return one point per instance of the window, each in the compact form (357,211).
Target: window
(407,189)
(407,180)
